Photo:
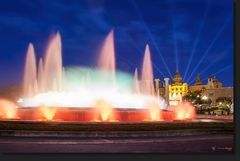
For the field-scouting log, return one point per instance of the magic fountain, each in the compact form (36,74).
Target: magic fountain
(52,92)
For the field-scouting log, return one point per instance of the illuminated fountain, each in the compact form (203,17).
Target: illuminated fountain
(183,111)
(102,94)
(7,109)
(147,74)
(52,66)
(45,113)
(104,111)
(106,62)
(155,112)
(30,84)
(147,86)
(136,82)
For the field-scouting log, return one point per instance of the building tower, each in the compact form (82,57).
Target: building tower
(210,83)
(198,80)
(177,79)
(177,89)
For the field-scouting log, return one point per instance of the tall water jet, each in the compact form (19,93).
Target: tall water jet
(52,71)
(147,86)
(30,73)
(136,82)
(106,61)
(40,75)
(63,76)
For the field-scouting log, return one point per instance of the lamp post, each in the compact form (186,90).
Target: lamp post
(204,98)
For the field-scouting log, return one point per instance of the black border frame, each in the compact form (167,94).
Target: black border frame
(162,157)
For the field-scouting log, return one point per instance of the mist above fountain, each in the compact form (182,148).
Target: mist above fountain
(102,89)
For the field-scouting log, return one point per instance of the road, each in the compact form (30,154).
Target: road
(183,144)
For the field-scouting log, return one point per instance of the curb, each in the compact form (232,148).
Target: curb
(113,134)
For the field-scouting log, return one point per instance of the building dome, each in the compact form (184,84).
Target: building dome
(177,78)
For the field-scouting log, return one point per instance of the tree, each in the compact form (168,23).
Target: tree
(224,100)
(199,100)
(195,97)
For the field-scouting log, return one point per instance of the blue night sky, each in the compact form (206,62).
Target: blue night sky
(195,36)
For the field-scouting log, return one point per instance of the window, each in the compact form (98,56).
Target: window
(210,94)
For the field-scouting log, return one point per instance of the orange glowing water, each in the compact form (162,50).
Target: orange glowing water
(155,112)
(7,109)
(184,111)
(47,113)
(104,109)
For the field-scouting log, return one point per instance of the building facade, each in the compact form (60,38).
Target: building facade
(213,89)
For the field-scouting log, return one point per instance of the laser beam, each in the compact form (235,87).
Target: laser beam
(214,62)
(218,72)
(151,37)
(174,38)
(197,40)
(135,45)
(209,47)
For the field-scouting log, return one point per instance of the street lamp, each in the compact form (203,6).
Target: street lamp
(204,97)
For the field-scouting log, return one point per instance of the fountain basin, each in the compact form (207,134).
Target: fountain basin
(89,114)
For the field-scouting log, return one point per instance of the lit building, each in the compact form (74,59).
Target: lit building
(212,83)
(177,89)
(212,90)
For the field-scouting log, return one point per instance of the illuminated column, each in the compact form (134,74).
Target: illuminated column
(157,85)
(166,90)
